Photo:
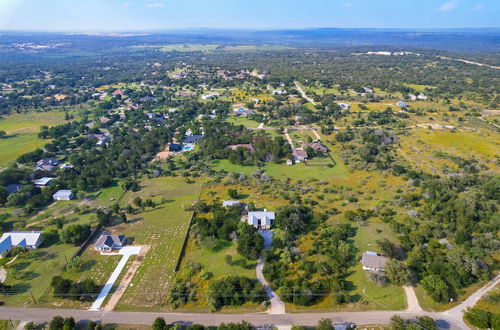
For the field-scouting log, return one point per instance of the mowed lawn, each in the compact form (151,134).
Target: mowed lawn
(163,229)
(22,132)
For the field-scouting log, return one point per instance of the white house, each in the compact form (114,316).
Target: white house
(261,219)
(27,239)
(63,195)
(372,261)
(344,106)
(230,203)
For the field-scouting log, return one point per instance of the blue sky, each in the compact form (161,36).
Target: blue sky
(134,15)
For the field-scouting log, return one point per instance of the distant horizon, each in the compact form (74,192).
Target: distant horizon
(167,15)
(221,29)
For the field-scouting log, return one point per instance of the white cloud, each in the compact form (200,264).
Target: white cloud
(127,4)
(478,7)
(347,4)
(450,5)
(155,5)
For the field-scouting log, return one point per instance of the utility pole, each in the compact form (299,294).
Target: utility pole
(32,297)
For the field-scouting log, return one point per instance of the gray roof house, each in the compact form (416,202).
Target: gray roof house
(107,243)
(47,164)
(27,239)
(372,261)
(402,104)
(261,219)
(63,195)
(299,155)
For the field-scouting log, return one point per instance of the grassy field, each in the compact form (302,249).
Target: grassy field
(163,229)
(420,146)
(22,132)
(33,272)
(296,172)
(248,123)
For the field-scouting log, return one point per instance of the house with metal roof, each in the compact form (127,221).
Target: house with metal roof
(26,239)
(261,219)
(372,261)
(107,242)
(230,203)
(63,195)
(192,139)
(402,104)
(43,182)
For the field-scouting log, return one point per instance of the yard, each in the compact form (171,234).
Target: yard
(163,229)
(33,272)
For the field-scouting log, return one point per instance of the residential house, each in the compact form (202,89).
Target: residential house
(316,146)
(13,188)
(175,147)
(210,96)
(372,261)
(367,90)
(66,166)
(230,203)
(344,106)
(299,155)
(63,195)
(47,164)
(107,242)
(43,182)
(192,139)
(422,96)
(243,112)
(279,92)
(249,147)
(261,219)
(402,104)
(26,239)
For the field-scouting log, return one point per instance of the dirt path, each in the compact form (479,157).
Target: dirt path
(127,278)
(315,132)
(289,139)
(304,95)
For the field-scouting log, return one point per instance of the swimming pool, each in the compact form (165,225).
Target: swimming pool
(187,148)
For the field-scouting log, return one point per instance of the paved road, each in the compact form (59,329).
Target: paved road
(126,252)
(457,311)
(308,319)
(451,319)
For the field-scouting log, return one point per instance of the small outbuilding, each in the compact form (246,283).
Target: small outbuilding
(230,203)
(63,195)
